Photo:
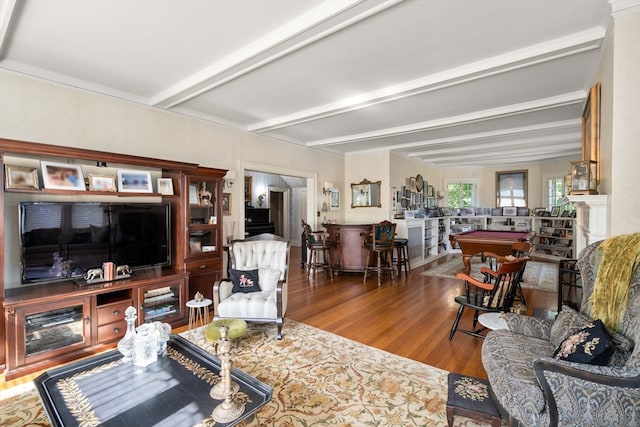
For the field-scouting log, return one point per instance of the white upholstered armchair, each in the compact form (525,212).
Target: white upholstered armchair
(267,300)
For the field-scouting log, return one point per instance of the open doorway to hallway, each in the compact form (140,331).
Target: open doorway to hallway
(282,198)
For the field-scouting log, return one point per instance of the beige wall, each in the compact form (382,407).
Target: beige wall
(625,126)
(373,167)
(38,111)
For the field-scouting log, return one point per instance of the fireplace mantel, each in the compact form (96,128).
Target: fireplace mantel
(592,219)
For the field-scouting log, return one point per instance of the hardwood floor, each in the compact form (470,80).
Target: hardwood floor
(411,317)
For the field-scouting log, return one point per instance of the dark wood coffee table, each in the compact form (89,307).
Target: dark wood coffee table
(174,391)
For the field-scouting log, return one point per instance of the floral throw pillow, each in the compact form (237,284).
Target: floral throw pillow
(245,281)
(590,344)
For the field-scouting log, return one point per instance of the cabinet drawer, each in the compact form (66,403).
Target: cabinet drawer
(112,331)
(203,266)
(112,312)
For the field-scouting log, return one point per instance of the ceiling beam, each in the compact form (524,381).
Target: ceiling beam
(473,117)
(6,13)
(521,58)
(325,19)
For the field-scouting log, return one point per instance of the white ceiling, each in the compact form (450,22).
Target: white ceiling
(453,83)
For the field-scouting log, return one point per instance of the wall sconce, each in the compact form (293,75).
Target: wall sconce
(328,186)
(227,181)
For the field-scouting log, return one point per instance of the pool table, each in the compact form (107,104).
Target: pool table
(477,241)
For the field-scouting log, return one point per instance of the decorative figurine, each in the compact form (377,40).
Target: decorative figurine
(205,195)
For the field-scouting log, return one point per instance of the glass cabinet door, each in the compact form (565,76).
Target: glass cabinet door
(161,303)
(202,217)
(50,329)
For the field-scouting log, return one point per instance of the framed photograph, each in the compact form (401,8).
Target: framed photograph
(102,183)
(226,203)
(62,176)
(539,211)
(511,189)
(133,181)
(555,211)
(334,199)
(21,177)
(248,182)
(496,212)
(509,211)
(165,186)
(524,211)
(446,211)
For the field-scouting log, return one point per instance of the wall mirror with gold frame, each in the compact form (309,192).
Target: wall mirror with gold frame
(366,194)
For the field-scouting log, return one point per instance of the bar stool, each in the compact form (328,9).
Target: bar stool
(402,255)
(316,241)
(381,245)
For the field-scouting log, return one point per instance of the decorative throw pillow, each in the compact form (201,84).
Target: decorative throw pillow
(589,345)
(567,323)
(245,281)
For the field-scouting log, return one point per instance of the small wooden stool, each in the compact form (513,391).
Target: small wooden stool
(469,397)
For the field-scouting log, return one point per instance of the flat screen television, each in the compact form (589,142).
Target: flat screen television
(62,240)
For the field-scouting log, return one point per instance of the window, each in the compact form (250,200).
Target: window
(461,193)
(557,189)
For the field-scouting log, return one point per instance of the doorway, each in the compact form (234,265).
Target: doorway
(290,203)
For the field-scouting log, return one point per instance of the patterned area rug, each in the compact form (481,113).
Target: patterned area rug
(537,275)
(318,379)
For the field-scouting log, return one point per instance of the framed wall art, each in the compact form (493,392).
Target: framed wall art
(334,199)
(24,178)
(134,181)
(511,189)
(591,125)
(62,176)
(226,203)
(248,182)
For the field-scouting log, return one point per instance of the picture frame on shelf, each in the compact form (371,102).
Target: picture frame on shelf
(102,183)
(165,186)
(539,211)
(62,176)
(509,211)
(496,212)
(20,177)
(555,211)
(226,203)
(194,199)
(445,211)
(524,211)
(134,181)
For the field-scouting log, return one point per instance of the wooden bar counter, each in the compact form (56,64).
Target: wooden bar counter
(347,253)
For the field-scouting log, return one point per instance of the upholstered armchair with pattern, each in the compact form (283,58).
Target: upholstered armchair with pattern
(256,290)
(583,368)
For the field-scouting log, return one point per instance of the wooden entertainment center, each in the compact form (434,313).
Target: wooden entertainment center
(48,323)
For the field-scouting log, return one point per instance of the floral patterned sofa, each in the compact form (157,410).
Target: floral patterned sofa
(533,388)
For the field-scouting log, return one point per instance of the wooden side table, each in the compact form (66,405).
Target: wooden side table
(198,313)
